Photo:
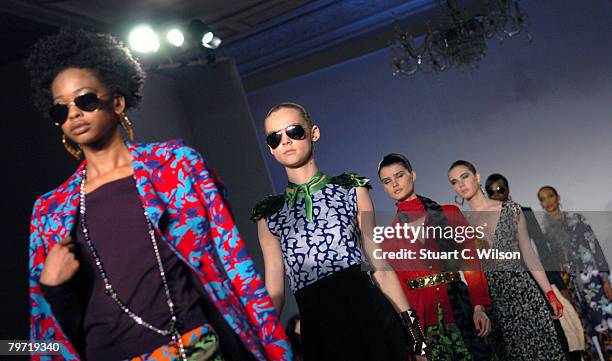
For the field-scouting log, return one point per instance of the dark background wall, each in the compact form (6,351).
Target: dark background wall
(34,162)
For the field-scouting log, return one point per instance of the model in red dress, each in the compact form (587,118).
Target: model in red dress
(452,313)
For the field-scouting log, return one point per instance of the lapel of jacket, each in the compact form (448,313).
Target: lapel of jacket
(64,203)
(147,159)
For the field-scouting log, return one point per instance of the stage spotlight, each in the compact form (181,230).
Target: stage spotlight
(213,43)
(207,37)
(143,39)
(202,33)
(175,37)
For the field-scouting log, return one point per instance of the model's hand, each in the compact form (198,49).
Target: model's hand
(481,321)
(607,290)
(558,310)
(557,307)
(60,265)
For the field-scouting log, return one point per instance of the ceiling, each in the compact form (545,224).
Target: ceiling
(270,40)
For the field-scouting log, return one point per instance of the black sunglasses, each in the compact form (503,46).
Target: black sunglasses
(87,102)
(498,189)
(295,132)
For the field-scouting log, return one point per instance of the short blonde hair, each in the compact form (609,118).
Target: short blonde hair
(303,113)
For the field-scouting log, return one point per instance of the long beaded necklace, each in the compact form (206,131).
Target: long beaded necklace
(173,330)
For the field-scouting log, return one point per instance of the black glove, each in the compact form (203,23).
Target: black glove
(414,334)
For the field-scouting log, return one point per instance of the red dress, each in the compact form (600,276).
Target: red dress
(425,300)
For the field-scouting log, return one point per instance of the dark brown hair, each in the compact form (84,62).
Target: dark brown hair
(394,158)
(464,163)
(547,187)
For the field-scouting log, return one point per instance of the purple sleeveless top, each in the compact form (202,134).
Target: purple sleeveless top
(119,232)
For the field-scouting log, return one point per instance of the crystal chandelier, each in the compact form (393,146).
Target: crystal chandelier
(457,40)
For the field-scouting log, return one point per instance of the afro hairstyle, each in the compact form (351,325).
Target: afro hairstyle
(103,54)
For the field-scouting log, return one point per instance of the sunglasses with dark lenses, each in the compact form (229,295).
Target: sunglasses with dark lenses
(295,132)
(87,102)
(498,189)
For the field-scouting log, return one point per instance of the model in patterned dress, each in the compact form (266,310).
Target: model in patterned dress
(586,271)
(523,328)
(318,233)
(572,340)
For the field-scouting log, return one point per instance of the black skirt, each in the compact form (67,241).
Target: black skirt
(344,316)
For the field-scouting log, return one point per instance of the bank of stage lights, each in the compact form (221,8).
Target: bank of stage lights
(144,39)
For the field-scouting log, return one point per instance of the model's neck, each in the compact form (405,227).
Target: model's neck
(478,201)
(409,197)
(106,156)
(302,174)
(556,214)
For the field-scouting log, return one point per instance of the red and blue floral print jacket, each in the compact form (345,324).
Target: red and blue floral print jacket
(173,180)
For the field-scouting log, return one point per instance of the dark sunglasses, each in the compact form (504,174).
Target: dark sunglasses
(87,102)
(295,132)
(498,189)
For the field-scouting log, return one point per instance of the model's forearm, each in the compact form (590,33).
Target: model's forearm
(389,284)
(278,300)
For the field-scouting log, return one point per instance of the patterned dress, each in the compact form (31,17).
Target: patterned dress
(520,317)
(583,265)
(344,316)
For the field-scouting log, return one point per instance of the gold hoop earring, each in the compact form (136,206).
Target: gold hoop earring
(126,124)
(75,152)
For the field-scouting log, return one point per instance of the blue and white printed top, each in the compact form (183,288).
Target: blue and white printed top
(330,243)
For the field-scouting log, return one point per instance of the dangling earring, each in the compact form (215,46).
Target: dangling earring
(73,152)
(127,126)
(462,200)
(482,190)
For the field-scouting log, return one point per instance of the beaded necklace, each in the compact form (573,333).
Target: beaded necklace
(173,330)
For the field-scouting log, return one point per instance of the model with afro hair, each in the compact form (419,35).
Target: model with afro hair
(103,54)
(130,257)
